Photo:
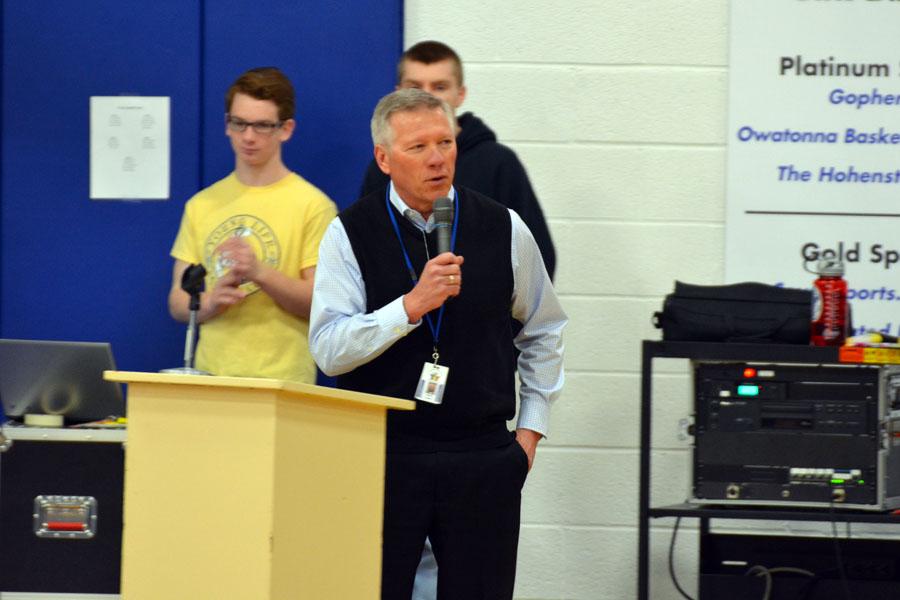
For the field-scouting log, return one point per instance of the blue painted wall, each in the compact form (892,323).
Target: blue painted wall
(76,269)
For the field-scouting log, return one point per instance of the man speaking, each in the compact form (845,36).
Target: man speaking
(393,316)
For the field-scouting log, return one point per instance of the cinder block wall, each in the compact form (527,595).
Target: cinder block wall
(618,110)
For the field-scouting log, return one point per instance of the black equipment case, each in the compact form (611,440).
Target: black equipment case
(740,312)
(60,512)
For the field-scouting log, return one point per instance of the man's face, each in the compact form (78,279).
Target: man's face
(251,147)
(421,158)
(438,79)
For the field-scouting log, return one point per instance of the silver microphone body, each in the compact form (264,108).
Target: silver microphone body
(443,223)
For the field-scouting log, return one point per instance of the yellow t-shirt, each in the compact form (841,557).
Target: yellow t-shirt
(284,223)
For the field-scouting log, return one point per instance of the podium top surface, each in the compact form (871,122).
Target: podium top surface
(259,383)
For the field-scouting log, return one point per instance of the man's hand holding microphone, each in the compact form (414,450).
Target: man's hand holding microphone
(442,276)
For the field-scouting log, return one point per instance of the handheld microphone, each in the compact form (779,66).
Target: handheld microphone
(443,221)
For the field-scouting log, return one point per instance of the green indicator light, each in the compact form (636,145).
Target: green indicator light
(837,481)
(860,482)
(748,390)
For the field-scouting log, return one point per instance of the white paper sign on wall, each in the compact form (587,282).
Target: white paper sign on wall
(129,147)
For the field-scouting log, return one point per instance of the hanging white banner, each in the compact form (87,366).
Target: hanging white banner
(814,147)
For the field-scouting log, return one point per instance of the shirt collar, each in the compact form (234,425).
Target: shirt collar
(411,215)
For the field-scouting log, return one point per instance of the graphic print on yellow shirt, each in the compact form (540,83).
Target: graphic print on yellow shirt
(255,232)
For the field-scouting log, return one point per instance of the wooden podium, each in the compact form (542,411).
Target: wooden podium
(256,489)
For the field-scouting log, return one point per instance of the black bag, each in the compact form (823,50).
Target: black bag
(741,312)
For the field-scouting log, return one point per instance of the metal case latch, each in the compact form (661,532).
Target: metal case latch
(65,517)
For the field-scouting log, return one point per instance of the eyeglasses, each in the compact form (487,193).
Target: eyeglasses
(263,127)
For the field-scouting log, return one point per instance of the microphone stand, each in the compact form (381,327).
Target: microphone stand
(192,283)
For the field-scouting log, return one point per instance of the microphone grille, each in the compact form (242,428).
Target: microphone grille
(443,210)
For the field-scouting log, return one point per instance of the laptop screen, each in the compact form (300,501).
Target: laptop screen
(61,378)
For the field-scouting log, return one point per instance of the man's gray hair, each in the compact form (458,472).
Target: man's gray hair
(404,100)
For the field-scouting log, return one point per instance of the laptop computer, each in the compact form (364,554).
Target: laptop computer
(59,378)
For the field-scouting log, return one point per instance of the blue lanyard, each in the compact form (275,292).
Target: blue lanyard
(435,331)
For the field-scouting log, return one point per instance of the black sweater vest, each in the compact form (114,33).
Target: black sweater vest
(474,339)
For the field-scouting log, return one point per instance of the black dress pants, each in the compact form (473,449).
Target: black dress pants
(468,503)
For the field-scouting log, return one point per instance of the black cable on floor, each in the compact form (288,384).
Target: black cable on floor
(672,561)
